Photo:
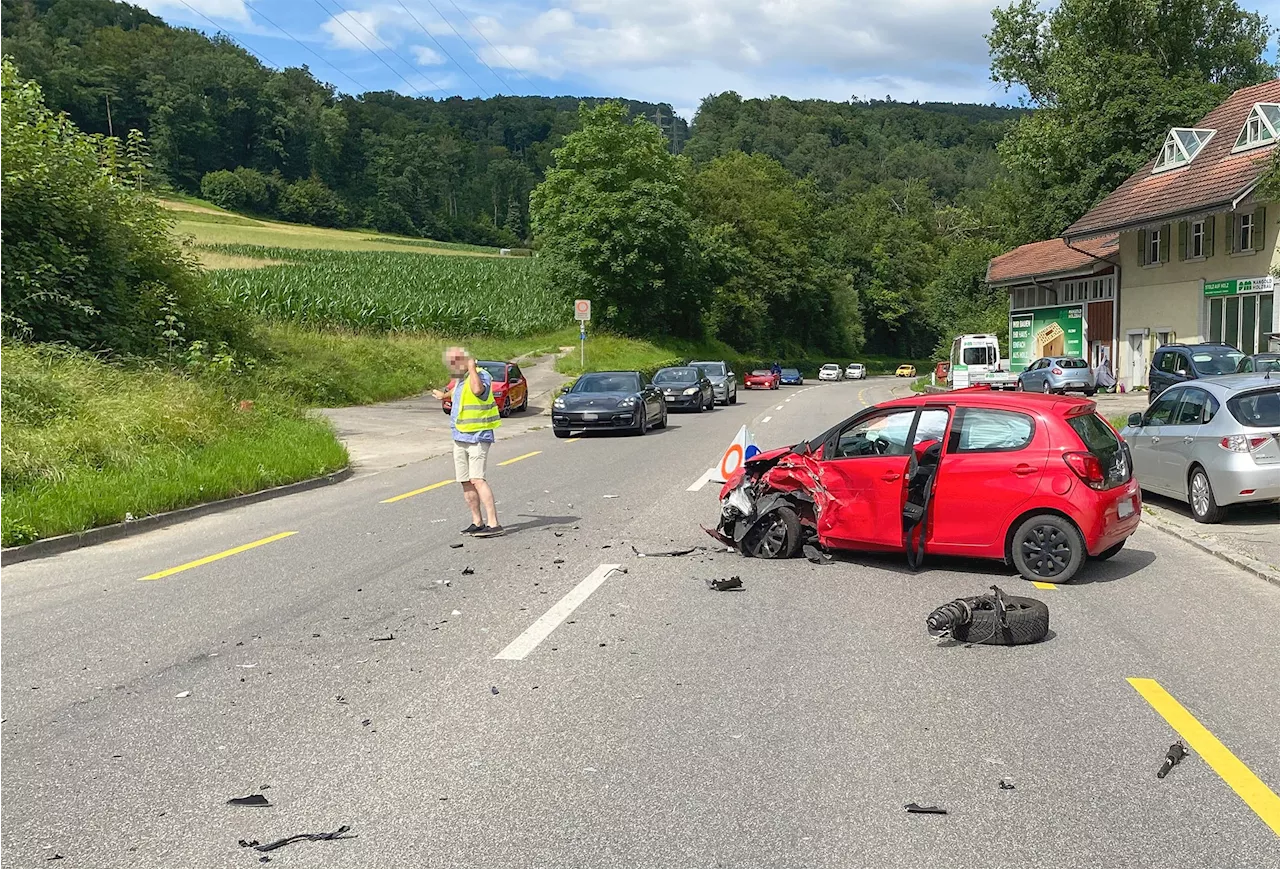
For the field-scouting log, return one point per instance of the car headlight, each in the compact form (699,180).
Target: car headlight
(692,390)
(629,401)
(558,404)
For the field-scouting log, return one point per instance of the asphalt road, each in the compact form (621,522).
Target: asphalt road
(659,724)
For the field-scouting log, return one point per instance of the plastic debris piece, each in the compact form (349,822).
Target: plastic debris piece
(182,694)
(917,809)
(467,571)
(1172,758)
(1006,784)
(251,800)
(387,638)
(246,666)
(608,497)
(729,584)
(455,545)
(816,555)
(339,833)
(55,857)
(557,561)
(493,689)
(674,553)
(456,613)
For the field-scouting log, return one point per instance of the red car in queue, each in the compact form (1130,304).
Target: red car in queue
(510,388)
(762,378)
(1039,481)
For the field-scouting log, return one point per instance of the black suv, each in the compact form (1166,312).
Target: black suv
(1178,363)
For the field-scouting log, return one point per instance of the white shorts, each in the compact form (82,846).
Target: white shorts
(469,460)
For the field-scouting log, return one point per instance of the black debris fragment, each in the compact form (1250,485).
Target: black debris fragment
(493,689)
(1176,753)
(55,857)
(917,809)
(467,571)
(366,722)
(339,833)
(385,639)
(455,545)
(816,555)
(251,800)
(674,553)
(1006,784)
(557,561)
(733,582)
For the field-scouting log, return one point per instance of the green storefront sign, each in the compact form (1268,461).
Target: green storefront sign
(1045,332)
(1237,286)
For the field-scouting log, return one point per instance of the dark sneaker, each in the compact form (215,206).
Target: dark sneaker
(490,531)
(472,528)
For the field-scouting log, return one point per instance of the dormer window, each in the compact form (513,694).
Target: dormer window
(1260,127)
(1180,148)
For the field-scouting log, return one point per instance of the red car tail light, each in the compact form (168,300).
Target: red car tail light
(1088,468)
(1057,371)
(1243,443)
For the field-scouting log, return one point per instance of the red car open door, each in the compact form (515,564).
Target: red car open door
(862,473)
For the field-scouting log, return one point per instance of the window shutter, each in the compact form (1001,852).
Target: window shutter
(1209,223)
(1142,247)
(1165,237)
(1259,231)
(1233,232)
(1183,228)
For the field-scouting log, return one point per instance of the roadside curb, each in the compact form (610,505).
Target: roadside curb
(1244,562)
(68,542)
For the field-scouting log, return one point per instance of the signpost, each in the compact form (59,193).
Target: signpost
(582,313)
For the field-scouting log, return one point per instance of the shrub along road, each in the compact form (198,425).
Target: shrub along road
(658,724)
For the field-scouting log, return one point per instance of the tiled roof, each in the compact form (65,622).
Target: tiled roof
(1048,258)
(1213,179)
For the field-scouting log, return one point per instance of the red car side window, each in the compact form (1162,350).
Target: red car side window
(983,430)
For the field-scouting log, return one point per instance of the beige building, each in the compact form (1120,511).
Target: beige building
(1196,246)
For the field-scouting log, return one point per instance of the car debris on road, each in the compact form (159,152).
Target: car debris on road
(250,800)
(994,619)
(917,809)
(674,553)
(340,833)
(733,582)
(1176,753)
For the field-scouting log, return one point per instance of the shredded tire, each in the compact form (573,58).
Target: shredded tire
(1028,621)
(775,535)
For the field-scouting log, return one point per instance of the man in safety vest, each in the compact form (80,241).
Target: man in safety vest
(474,417)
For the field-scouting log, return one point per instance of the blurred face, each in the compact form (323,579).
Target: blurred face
(455,359)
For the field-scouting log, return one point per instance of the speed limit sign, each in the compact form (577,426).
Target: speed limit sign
(582,309)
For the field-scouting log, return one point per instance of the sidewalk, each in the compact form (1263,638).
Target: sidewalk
(396,433)
(1249,538)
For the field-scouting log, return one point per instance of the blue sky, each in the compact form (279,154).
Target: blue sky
(673,51)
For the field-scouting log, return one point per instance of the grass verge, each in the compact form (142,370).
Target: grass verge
(87,443)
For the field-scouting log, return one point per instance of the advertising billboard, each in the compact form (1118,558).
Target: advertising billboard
(1045,332)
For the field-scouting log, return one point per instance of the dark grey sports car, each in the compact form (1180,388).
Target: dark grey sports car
(686,387)
(618,400)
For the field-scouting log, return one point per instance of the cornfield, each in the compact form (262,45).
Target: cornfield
(393,292)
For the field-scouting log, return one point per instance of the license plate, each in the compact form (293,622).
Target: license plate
(590,417)
(1125,508)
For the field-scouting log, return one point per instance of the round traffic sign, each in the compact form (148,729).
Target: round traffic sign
(582,306)
(732,461)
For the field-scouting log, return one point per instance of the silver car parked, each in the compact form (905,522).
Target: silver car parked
(1058,374)
(1211,442)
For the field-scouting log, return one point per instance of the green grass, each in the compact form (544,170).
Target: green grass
(224,219)
(396,292)
(613,353)
(86,443)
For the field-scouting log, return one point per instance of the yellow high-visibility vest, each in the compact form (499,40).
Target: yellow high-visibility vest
(476,414)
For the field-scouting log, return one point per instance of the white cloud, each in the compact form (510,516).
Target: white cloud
(427,56)
(358,29)
(219,10)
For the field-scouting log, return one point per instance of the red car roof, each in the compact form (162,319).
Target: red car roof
(980,396)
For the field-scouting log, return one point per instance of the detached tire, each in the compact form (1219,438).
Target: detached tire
(1047,548)
(1028,622)
(775,535)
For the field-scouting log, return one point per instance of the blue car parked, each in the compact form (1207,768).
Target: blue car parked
(792,377)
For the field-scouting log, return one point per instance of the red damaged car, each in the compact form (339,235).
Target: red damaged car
(762,378)
(1039,481)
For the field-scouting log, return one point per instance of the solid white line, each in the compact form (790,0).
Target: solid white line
(703,480)
(766,419)
(522,645)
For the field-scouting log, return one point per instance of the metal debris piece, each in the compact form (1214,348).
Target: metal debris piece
(608,497)
(182,694)
(1006,784)
(339,833)
(674,553)
(467,571)
(557,561)
(455,545)
(385,639)
(816,555)
(493,689)
(729,584)
(917,809)
(251,800)
(1176,753)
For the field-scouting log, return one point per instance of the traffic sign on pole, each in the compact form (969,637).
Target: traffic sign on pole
(582,309)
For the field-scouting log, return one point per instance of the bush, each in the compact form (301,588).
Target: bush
(242,190)
(87,256)
(310,201)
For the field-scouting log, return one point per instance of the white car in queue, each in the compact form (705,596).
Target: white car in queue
(831,371)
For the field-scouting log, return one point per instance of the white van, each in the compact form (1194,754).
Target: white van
(975,360)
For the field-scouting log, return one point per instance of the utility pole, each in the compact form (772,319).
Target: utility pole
(110,130)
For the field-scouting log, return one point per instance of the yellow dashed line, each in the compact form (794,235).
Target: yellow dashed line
(209,558)
(417,491)
(1048,585)
(520,458)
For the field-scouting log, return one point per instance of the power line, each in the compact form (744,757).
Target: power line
(384,45)
(442,48)
(256,54)
(490,44)
(359,87)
